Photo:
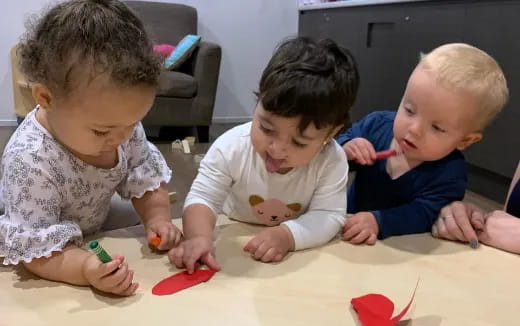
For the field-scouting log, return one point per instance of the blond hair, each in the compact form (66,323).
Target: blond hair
(466,68)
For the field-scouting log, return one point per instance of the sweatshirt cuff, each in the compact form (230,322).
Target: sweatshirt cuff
(379,219)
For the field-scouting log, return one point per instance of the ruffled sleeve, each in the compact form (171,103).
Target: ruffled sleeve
(147,168)
(31,227)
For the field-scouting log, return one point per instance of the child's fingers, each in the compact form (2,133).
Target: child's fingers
(358,153)
(360,237)
(367,149)
(131,290)
(350,154)
(111,281)
(170,239)
(351,232)
(178,238)
(108,268)
(260,251)
(371,239)
(269,255)
(278,258)
(123,286)
(368,152)
(252,244)
(150,234)
(175,256)
(190,260)
(210,261)
(350,222)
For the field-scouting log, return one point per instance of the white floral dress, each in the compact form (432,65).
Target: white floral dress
(52,198)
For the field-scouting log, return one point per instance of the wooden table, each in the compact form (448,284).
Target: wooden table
(458,286)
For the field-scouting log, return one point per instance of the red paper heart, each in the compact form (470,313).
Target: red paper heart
(377,310)
(181,281)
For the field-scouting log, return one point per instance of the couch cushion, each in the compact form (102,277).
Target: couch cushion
(176,84)
(182,52)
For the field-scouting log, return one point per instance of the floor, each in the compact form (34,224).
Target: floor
(184,169)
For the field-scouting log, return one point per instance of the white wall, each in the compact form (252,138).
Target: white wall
(12,26)
(247,31)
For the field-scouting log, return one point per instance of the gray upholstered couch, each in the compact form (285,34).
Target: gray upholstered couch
(185,97)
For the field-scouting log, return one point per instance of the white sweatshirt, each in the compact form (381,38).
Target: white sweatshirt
(310,200)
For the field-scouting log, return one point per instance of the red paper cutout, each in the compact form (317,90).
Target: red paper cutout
(377,310)
(181,281)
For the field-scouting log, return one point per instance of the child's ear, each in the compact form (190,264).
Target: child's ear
(470,139)
(42,95)
(333,133)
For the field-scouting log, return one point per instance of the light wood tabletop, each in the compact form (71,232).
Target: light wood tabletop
(458,286)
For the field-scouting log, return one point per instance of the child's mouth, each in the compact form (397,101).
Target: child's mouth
(408,144)
(271,164)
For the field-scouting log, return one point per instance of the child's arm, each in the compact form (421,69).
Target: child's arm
(145,187)
(78,267)
(154,209)
(65,266)
(419,215)
(327,210)
(204,201)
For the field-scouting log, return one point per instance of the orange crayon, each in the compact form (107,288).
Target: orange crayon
(155,241)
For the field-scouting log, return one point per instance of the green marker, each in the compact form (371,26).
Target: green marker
(96,248)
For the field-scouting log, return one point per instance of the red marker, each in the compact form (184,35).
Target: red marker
(385,154)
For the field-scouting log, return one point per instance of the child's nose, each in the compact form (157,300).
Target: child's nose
(278,148)
(415,128)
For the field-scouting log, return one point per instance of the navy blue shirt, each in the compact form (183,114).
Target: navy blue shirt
(513,204)
(412,202)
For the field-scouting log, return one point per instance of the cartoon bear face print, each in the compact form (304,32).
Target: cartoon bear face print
(272,211)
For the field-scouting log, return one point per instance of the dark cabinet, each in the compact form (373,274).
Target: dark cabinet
(320,24)
(387,41)
(493,27)
(380,60)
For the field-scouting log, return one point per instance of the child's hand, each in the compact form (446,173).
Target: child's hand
(361,228)
(170,235)
(360,150)
(501,230)
(112,277)
(271,245)
(191,251)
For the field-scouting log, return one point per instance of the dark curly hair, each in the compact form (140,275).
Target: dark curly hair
(82,39)
(317,81)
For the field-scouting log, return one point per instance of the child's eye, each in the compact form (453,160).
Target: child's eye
(408,110)
(438,129)
(99,133)
(265,130)
(298,144)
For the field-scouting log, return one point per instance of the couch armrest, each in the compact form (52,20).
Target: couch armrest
(205,67)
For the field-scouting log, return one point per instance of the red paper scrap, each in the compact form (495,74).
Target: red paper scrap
(181,281)
(377,310)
